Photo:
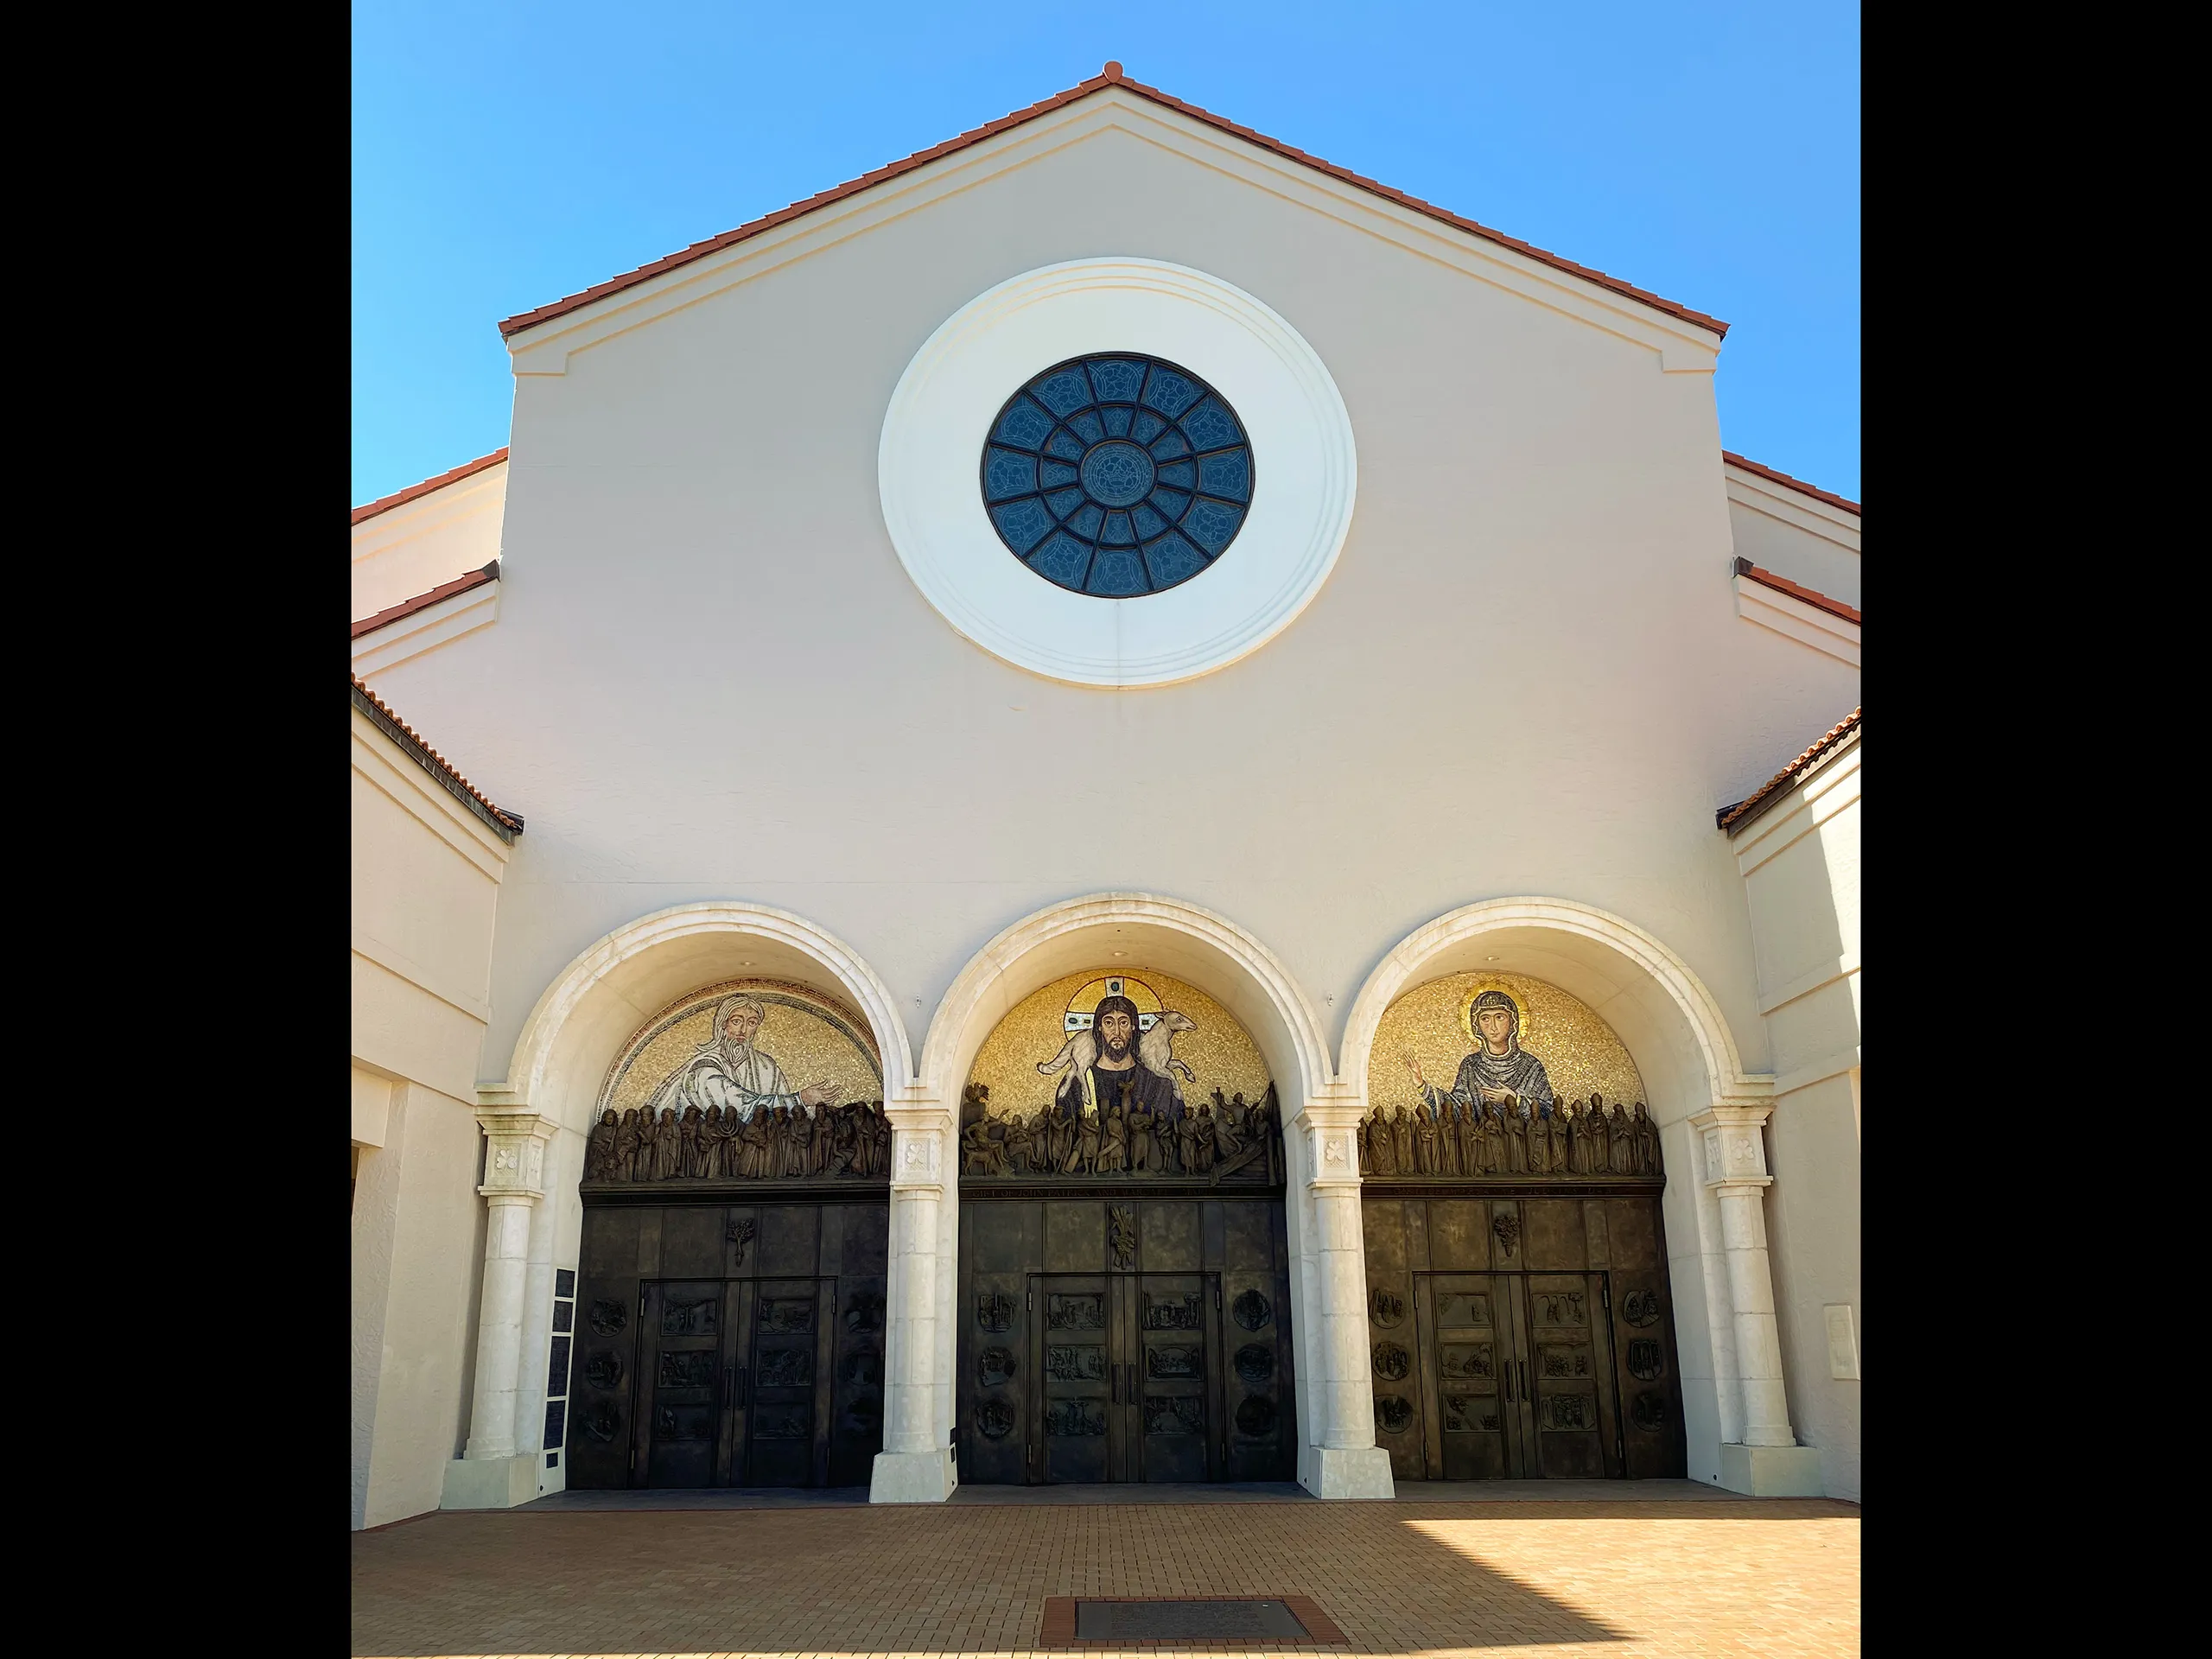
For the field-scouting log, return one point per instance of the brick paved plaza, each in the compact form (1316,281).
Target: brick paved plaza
(1712,1575)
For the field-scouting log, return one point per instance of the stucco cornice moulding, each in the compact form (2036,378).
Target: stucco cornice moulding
(1792,507)
(1681,346)
(1830,786)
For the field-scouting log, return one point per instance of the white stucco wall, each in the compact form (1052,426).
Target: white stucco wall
(425,880)
(416,546)
(711,678)
(1801,865)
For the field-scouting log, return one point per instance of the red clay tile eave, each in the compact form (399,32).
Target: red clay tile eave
(1796,484)
(406,607)
(415,492)
(515,325)
(1731,818)
(437,763)
(1784,585)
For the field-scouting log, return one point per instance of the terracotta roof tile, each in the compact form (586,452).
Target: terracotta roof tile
(413,492)
(506,825)
(1783,584)
(1733,819)
(1796,484)
(1111,77)
(406,607)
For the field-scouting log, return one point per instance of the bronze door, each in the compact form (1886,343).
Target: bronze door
(1563,1375)
(788,1394)
(687,1389)
(1082,1429)
(1466,1334)
(1173,1341)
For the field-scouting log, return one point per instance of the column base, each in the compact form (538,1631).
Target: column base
(491,1483)
(913,1478)
(1333,1471)
(1771,1471)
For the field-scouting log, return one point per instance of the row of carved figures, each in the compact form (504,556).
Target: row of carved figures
(774,1143)
(1216,1137)
(1565,1138)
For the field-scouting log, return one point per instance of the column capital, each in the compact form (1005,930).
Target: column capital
(514,1160)
(921,1124)
(1735,1151)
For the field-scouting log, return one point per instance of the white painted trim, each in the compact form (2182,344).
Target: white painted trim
(1806,983)
(1843,1060)
(428,628)
(402,966)
(941,411)
(1808,624)
(1678,345)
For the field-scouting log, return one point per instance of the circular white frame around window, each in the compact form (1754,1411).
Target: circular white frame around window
(953,389)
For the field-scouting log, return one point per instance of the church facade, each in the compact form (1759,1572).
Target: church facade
(1011,843)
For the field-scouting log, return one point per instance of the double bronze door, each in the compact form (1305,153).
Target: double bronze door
(1517,1377)
(735,1382)
(1127,1369)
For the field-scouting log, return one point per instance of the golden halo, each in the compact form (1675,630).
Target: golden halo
(1525,1022)
(1084,1003)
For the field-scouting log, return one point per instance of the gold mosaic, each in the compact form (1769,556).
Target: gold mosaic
(1216,1048)
(1578,1050)
(809,1037)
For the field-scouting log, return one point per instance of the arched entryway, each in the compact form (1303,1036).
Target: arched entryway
(1705,1112)
(706,1312)
(1146,1375)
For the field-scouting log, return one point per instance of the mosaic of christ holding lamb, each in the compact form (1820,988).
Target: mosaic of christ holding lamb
(1122,1073)
(1538,1085)
(751,1080)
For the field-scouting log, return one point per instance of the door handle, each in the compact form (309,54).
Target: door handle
(1509,1382)
(1524,1364)
(743,1376)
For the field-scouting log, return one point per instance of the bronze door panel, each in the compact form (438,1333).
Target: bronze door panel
(1565,1376)
(1173,1346)
(684,1397)
(1465,1335)
(788,1363)
(1081,1433)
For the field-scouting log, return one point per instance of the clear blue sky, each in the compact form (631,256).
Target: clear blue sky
(507,153)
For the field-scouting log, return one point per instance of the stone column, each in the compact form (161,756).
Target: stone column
(1343,1459)
(1768,1461)
(493,1474)
(915,1466)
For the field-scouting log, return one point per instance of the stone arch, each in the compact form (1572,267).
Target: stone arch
(1659,1008)
(1187,940)
(1702,1099)
(612,987)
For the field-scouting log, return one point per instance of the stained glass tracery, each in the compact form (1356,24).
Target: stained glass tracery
(1117,475)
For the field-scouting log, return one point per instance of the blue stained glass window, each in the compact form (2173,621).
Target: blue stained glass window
(1146,471)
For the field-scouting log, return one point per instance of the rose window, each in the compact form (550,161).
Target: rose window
(1117,475)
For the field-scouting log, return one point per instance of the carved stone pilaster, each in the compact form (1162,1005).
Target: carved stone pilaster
(1343,1459)
(915,1463)
(513,1184)
(1736,1175)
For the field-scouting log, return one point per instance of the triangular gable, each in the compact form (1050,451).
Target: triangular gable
(1112,76)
